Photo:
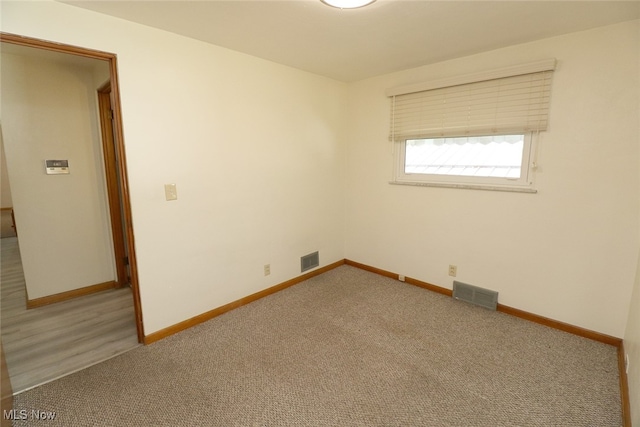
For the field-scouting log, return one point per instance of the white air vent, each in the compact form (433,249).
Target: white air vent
(475,295)
(310,261)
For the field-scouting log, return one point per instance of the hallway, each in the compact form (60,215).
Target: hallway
(45,343)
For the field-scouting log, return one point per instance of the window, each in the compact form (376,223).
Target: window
(476,131)
(491,160)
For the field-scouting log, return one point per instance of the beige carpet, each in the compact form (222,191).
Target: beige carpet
(347,348)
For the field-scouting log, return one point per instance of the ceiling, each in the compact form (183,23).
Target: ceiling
(387,36)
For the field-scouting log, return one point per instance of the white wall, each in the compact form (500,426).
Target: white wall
(49,111)
(568,252)
(271,191)
(632,335)
(255,148)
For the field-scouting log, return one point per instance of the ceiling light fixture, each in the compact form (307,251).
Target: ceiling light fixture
(347,4)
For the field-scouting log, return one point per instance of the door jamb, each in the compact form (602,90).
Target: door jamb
(113,192)
(119,146)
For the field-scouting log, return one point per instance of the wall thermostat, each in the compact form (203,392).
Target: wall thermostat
(56,167)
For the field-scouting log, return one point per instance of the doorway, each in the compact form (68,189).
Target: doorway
(114,168)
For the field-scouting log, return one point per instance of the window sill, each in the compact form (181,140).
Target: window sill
(467,186)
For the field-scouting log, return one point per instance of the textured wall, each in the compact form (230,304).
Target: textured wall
(568,252)
(255,149)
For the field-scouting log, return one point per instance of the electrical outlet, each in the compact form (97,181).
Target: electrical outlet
(401,277)
(453,270)
(267,269)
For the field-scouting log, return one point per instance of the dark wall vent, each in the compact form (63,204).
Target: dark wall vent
(475,295)
(310,261)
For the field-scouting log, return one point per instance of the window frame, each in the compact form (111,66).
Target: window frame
(523,184)
(468,112)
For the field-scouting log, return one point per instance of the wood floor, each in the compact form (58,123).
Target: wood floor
(45,343)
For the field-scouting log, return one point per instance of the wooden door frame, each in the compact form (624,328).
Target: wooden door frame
(113,192)
(111,58)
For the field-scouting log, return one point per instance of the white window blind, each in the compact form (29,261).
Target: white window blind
(496,105)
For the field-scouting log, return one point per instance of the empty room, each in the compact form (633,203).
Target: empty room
(401,213)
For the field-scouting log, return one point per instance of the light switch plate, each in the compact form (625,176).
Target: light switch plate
(170,192)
